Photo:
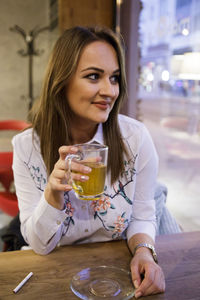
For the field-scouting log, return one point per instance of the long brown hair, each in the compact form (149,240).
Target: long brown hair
(51,119)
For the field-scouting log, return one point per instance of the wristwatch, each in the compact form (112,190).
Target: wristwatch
(149,246)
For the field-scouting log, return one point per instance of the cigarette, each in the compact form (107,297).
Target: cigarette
(22,282)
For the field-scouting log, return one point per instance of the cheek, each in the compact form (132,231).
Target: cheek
(85,90)
(90,89)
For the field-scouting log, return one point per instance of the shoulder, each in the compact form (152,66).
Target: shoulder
(130,127)
(25,142)
(25,137)
(135,133)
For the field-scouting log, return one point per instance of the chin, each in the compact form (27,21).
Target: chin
(102,117)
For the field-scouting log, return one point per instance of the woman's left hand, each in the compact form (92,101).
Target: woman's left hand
(147,276)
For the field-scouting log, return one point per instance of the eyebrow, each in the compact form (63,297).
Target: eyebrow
(98,70)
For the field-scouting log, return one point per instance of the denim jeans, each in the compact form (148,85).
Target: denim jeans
(166,223)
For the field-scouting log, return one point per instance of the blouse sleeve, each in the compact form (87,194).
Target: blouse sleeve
(143,218)
(41,224)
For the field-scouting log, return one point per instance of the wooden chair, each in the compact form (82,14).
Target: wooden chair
(8,199)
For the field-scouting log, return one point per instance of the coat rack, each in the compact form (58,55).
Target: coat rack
(29,39)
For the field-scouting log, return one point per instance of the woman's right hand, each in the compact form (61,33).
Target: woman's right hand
(58,180)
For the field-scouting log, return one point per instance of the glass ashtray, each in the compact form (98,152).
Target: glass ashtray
(103,283)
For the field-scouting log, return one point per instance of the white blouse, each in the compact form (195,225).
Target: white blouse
(126,208)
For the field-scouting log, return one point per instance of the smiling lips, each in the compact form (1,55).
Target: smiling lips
(102,104)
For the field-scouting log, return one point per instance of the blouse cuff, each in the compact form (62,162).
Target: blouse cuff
(47,220)
(139,226)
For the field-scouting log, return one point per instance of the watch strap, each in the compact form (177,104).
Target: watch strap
(149,246)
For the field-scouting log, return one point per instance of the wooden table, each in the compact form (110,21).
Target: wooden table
(179,256)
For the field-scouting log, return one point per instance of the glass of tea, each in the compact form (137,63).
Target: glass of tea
(94,156)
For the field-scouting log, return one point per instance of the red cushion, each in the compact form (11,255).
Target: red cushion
(8,203)
(6,174)
(13,125)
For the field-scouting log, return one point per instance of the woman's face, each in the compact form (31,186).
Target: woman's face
(94,87)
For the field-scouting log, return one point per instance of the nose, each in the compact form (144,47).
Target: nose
(108,89)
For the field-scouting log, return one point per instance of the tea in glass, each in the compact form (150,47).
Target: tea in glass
(94,156)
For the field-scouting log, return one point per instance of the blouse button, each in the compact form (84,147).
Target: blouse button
(58,222)
(83,207)
(86,230)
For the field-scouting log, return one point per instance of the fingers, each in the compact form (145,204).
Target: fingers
(57,180)
(76,176)
(65,150)
(60,178)
(147,276)
(75,166)
(135,274)
(79,168)
(96,159)
(56,185)
(153,281)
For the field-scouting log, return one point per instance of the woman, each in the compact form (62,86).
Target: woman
(83,90)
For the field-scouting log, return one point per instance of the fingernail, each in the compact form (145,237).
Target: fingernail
(73,148)
(84,177)
(87,169)
(136,285)
(138,295)
(68,187)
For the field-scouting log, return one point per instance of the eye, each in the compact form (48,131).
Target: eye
(114,79)
(93,76)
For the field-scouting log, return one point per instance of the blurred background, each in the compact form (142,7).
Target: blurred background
(169,89)
(163,71)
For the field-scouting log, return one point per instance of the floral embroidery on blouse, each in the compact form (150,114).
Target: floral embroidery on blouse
(102,204)
(38,177)
(69,210)
(119,225)
(100,208)
(128,174)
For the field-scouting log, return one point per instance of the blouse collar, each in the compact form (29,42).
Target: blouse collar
(98,137)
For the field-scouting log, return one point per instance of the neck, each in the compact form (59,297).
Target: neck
(82,134)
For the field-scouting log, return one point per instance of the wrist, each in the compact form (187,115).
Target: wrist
(146,249)
(54,198)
